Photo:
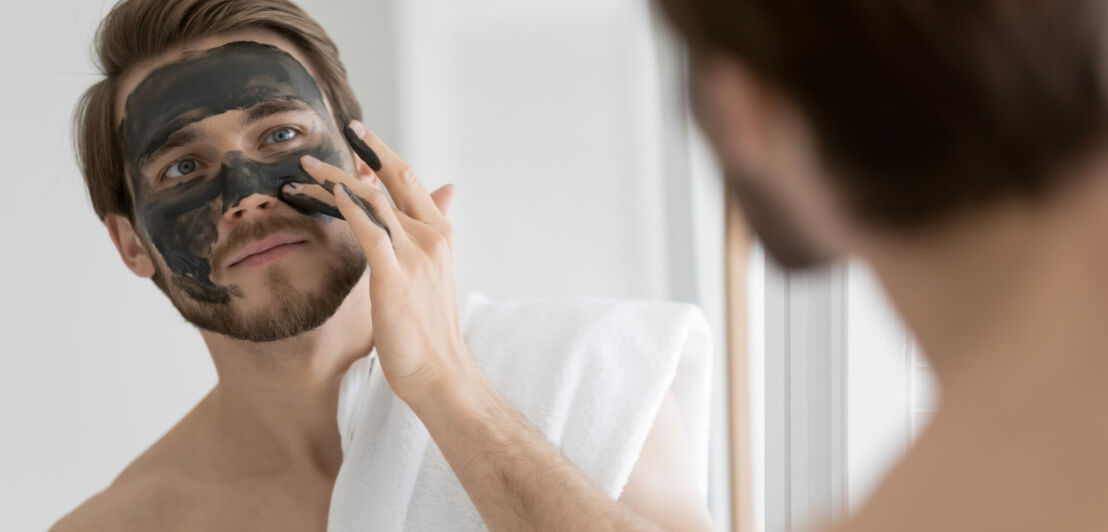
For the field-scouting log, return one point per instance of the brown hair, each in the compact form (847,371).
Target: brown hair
(136,30)
(922,108)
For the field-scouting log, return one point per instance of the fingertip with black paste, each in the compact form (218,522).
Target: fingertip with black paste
(362,149)
(309,205)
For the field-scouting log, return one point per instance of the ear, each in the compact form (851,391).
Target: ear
(736,109)
(365,173)
(129,245)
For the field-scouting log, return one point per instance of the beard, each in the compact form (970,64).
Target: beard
(294,311)
(786,242)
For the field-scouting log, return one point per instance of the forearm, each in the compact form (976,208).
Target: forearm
(515,477)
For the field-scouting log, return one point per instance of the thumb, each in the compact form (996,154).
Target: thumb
(443,198)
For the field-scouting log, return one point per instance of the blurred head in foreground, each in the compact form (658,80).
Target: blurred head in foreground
(844,123)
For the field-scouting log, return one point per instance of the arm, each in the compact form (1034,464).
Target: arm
(518,480)
(515,477)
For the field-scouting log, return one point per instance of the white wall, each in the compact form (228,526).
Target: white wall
(545,115)
(891,392)
(537,111)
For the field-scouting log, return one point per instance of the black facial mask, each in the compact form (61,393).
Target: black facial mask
(182,220)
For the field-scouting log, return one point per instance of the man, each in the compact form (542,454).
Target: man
(221,154)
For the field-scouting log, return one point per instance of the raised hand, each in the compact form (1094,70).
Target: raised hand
(410,251)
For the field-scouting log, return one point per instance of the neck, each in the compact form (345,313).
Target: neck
(279,400)
(1015,294)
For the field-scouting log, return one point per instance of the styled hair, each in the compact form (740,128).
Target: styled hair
(137,30)
(923,108)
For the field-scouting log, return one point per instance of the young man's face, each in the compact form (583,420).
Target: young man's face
(210,136)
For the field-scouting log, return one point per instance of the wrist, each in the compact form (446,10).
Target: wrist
(445,387)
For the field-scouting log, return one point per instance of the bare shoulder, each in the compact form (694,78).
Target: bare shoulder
(138,502)
(154,492)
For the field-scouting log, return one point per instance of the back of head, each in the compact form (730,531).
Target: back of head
(138,30)
(924,108)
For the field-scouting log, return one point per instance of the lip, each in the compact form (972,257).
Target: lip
(265,247)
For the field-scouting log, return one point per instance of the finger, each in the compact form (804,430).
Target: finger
(377,206)
(362,149)
(444,198)
(377,242)
(310,199)
(415,230)
(329,176)
(399,178)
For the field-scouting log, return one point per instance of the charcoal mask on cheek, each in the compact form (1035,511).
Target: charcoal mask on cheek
(182,220)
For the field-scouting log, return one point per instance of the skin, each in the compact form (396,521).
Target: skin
(262,449)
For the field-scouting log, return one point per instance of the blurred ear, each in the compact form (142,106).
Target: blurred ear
(736,109)
(768,149)
(129,245)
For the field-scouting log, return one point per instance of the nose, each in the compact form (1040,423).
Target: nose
(251,205)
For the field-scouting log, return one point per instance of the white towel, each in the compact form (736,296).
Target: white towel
(589,373)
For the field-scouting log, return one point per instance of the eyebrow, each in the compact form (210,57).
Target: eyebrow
(261,110)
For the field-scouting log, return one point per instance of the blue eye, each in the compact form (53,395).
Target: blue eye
(182,168)
(284,134)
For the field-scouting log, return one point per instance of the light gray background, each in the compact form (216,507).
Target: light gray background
(562,123)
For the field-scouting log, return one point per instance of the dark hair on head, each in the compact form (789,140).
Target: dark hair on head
(137,30)
(923,108)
